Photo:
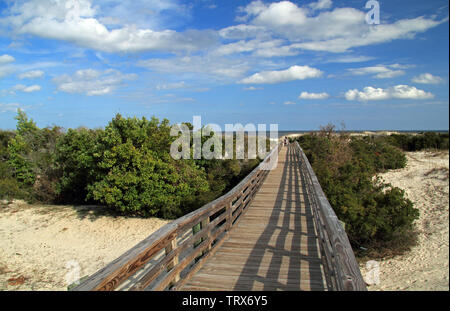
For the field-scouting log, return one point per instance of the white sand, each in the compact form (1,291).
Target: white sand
(41,245)
(426,267)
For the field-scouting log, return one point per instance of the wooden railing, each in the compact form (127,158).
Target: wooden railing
(167,258)
(340,265)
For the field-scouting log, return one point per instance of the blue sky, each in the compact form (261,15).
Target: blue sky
(299,64)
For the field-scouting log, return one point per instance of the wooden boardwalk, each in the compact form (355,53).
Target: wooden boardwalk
(275,230)
(275,244)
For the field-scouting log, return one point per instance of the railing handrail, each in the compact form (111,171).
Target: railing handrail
(343,269)
(213,223)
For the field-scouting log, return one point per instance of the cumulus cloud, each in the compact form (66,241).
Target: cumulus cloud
(373,34)
(290,74)
(336,30)
(427,78)
(33,74)
(78,22)
(6,59)
(398,92)
(306,95)
(92,82)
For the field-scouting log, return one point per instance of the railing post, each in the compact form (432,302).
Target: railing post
(229,212)
(205,223)
(172,246)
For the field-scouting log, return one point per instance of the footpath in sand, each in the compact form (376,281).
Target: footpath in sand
(42,247)
(425,180)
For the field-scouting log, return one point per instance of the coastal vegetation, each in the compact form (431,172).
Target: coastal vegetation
(379,219)
(126,166)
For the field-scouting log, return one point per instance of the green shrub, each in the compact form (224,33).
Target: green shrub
(375,214)
(126,166)
(31,156)
(75,158)
(136,174)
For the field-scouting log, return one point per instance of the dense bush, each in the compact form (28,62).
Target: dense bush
(9,186)
(126,166)
(75,158)
(31,158)
(135,172)
(377,154)
(375,214)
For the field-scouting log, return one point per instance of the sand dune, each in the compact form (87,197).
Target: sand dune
(42,246)
(426,267)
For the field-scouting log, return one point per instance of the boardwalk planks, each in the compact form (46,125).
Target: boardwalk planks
(274,231)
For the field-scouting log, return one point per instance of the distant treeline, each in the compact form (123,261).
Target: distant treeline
(126,166)
(378,218)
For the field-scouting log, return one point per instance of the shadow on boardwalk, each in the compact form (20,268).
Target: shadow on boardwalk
(291,191)
(274,245)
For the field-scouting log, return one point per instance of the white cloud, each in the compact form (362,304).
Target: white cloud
(363,35)
(290,74)
(350,59)
(5,69)
(306,95)
(380,71)
(252,88)
(398,91)
(289,103)
(243,31)
(336,31)
(390,74)
(401,66)
(171,86)
(33,74)
(427,78)
(9,107)
(321,5)
(258,47)
(6,59)
(92,82)
(77,22)
(208,66)
(280,14)
(26,89)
